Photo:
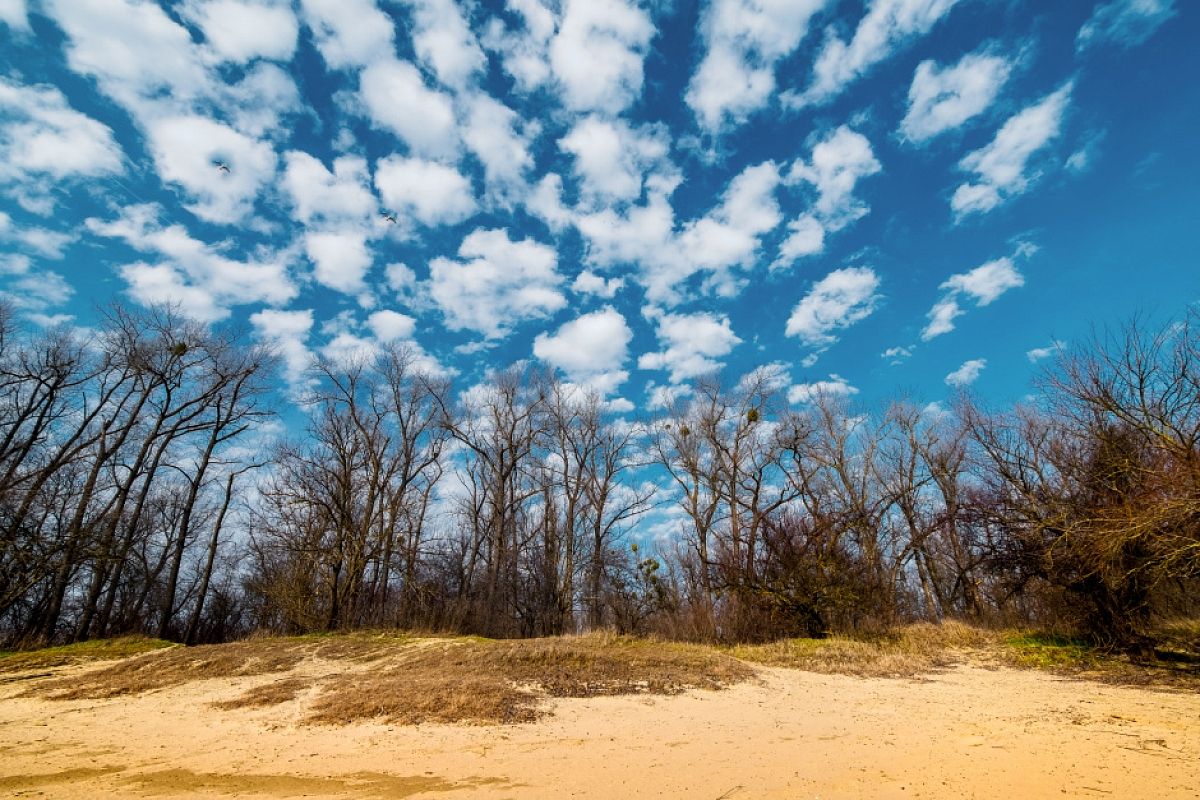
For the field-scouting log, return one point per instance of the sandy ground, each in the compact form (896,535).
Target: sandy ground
(969,732)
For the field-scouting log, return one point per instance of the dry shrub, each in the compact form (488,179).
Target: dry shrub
(486,681)
(905,652)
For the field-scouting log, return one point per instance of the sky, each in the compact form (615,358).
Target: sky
(873,198)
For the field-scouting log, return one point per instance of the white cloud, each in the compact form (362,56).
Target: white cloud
(186,152)
(941,317)
(443,41)
(691,343)
(500,140)
(44,242)
(196,275)
(287,332)
(744,39)
(966,374)
(588,282)
(390,326)
(725,238)
(323,196)
(432,193)
(839,161)
(139,55)
(1001,166)
(341,259)
(1124,22)
(983,284)
(41,135)
(896,355)
(395,97)
(729,235)
(598,52)
(525,53)
(836,386)
(348,33)
(591,349)
(837,301)
(987,282)
(887,25)
(242,30)
(15,14)
(612,158)
(941,99)
(496,284)
(1040,353)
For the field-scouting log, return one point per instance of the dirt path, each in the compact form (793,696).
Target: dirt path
(969,732)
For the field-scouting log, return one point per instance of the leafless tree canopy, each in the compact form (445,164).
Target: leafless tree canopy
(144,487)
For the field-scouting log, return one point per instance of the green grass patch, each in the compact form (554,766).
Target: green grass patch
(1053,652)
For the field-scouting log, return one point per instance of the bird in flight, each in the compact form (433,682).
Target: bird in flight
(389,217)
(222,167)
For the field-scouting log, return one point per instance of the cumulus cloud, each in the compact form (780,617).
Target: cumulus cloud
(896,355)
(396,98)
(500,139)
(186,151)
(836,386)
(1124,22)
(691,344)
(432,193)
(288,333)
(942,99)
(42,136)
(242,30)
(390,326)
(983,285)
(837,301)
(743,41)
(348,33)
(321,195)
(1001,167)
(591,349)
(443,42)
(597,54)
(15,14)
(341,259)
(612,158)
(839,161)
(191,273)
(966,374)
(715,244)
(887,26)
(496,283)
(588,282)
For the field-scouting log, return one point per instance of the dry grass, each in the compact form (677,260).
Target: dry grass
(160,670)
(270,694)
(906,652)
(411,680)
(487,681)
(78,653)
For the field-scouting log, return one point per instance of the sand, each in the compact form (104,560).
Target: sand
(969,732)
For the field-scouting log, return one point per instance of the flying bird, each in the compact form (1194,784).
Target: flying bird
(222,167)
(389,217)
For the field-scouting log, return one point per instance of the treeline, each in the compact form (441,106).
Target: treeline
(141,491)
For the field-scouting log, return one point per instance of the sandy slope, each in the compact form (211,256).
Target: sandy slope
(969,732)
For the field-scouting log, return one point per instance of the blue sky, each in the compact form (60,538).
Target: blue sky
(878,197)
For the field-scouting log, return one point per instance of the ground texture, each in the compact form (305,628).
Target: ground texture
(294,726)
